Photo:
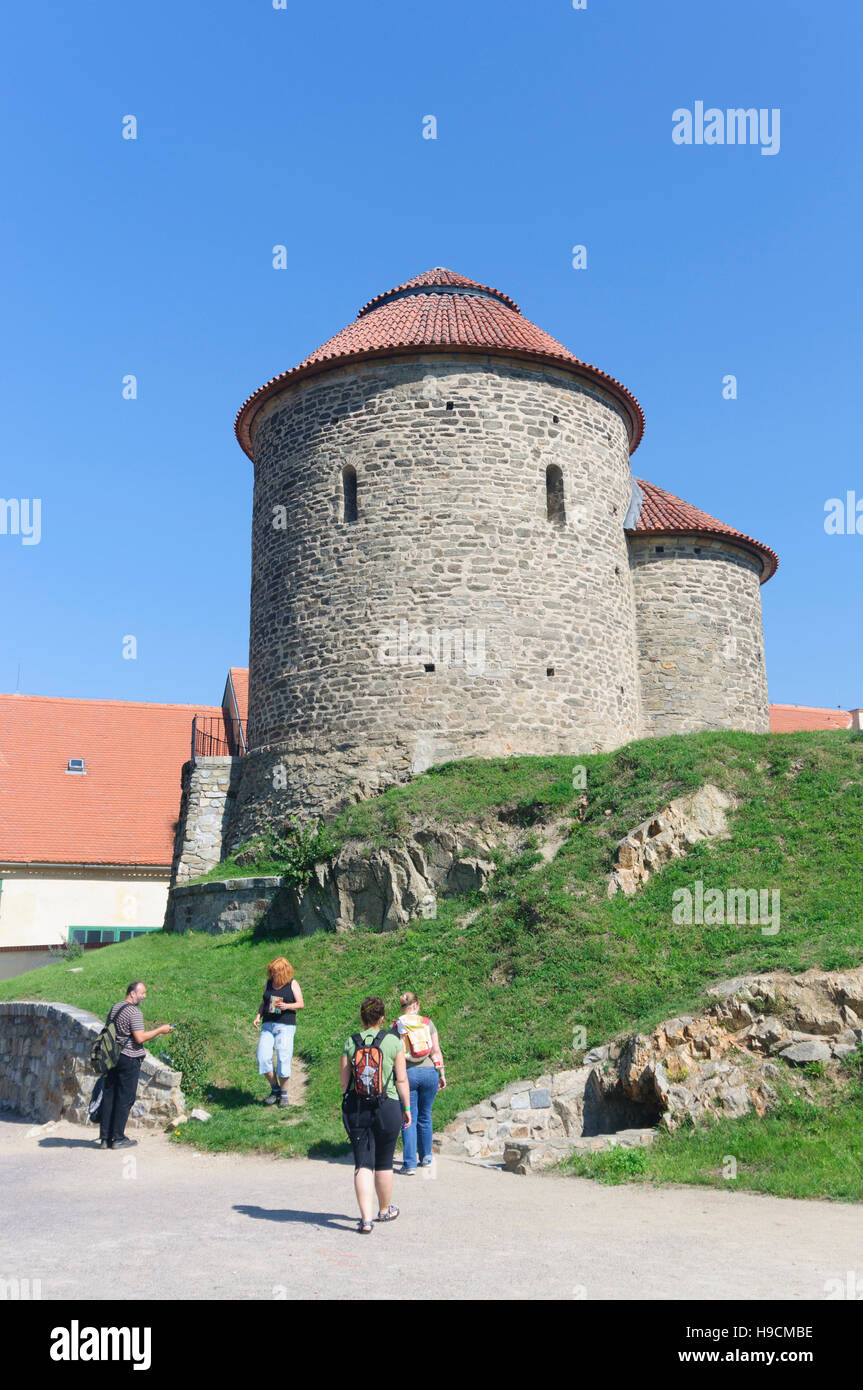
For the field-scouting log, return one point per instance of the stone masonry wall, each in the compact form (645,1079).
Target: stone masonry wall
(700,640)
(452,533)
(45,1072)
(208,789)
(227,905)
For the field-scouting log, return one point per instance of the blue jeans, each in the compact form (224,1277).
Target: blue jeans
(424,1083)
(276,1038)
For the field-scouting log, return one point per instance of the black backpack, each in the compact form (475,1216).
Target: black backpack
(105,1052)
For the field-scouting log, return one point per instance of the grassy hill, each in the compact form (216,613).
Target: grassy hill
(508,976)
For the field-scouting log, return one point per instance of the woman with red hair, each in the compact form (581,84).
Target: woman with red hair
(277,1018)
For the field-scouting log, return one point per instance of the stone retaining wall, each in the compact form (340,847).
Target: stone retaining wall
(45,1072)
(688,1070)
(532,1123)
(230,904)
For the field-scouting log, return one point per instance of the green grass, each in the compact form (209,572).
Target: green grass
(547,951)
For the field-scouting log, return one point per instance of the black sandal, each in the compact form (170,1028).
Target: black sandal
(389,1215)
(364,1228)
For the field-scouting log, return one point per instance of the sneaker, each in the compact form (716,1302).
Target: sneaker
(283,1100)
(103,1144)
(427,1162)
(273,1096)
(406,1172)
(123,1144)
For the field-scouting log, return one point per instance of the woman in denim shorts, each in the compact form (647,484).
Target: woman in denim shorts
(277,1018)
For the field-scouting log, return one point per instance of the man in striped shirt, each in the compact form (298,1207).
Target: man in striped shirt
(121,1082)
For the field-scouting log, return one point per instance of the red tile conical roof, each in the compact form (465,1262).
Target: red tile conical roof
(664,514)
(441,311)
(442,279)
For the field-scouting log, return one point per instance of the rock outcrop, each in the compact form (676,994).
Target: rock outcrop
(385,888)
(725,1062)
(363,884)
(670,834)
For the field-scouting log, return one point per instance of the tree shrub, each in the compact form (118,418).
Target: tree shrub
(190,1054)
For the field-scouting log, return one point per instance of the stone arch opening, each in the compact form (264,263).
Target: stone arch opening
(349,493)
(554,504)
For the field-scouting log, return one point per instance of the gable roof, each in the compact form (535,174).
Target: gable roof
(664,514)
(440,311)
(121,810)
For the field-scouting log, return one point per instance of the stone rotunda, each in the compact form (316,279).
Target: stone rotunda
(451,558)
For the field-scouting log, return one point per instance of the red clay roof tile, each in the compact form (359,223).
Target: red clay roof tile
(440,311)
(665,514)
(791,719)
(440,277)
(121,810)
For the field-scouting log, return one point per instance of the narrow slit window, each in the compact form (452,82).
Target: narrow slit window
(555,509)
(349,493)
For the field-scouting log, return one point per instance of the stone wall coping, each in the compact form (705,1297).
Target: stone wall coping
(41,1008)
(226,885)
(89,1023)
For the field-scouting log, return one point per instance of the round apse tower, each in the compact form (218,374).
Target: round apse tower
(439,563)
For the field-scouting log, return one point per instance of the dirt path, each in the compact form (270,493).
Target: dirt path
(231,1226)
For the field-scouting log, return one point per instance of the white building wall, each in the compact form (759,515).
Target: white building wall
(39,905)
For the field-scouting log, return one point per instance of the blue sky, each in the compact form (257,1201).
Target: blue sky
(303,127)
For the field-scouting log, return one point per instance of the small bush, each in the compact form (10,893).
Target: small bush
(68,950)
(300,848)
(190,1054)
(612,1167)
(291,853)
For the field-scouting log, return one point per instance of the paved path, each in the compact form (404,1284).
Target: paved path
(240,1227)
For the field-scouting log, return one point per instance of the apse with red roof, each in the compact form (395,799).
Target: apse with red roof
(451,558)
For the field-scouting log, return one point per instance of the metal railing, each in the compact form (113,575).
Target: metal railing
(217,736)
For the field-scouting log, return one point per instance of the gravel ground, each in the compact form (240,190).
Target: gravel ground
(169,1223)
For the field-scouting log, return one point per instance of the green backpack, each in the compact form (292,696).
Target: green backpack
(105,1052)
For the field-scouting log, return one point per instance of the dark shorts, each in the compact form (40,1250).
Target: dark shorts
(373,1131)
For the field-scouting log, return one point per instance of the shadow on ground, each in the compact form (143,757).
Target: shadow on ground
(91,1143)
(336,1221)
(232,1097)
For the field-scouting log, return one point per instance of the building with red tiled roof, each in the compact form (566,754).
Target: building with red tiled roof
(88,812)
(792,719)
(442,464)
